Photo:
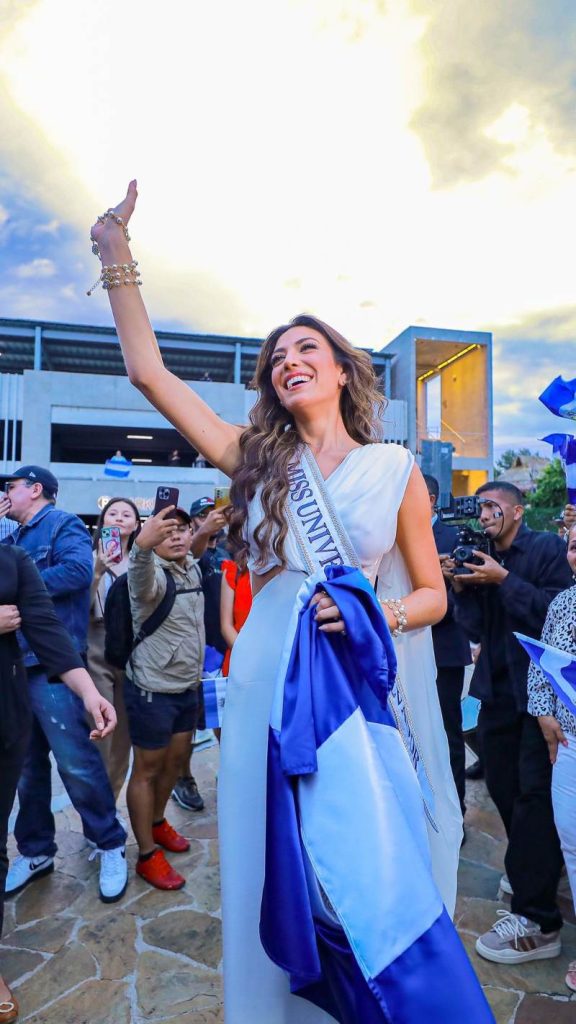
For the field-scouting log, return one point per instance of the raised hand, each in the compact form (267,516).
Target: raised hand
(157,529)
(106,229)
(103,561)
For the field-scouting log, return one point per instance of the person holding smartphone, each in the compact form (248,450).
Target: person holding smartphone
(162,686)
(117,527)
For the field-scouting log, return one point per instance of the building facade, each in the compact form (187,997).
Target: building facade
(66,403)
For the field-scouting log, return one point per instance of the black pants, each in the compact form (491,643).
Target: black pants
(450,682)
(518,776)
(11,761)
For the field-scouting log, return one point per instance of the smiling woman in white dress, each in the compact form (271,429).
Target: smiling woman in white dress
(318,394)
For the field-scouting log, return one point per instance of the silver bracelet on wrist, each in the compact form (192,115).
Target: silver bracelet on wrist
(398,609)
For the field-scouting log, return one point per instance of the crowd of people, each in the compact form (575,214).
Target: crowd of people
(343,761)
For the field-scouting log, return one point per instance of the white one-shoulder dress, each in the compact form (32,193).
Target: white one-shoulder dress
(366,490)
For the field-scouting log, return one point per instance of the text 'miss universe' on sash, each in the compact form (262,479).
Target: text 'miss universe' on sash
(350,909)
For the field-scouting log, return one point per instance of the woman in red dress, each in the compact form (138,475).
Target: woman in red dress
(235,600)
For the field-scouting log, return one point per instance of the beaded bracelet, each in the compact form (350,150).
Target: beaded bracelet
(110,214)
(117,274)
(398,609)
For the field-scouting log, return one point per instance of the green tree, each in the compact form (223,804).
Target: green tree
(551,489)
(508,458)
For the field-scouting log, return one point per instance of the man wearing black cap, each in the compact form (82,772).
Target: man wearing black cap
(59,544)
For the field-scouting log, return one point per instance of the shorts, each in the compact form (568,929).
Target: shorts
(154,718)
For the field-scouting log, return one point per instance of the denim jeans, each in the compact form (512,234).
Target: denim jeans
(59,725)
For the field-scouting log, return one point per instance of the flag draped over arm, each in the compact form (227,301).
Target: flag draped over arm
(350,909)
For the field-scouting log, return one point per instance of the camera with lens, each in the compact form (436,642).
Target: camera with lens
(468,540)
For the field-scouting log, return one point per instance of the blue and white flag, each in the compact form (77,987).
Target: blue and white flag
(214,699)
(560,398)
(350,910)
(118,466)
(564,446)
(558,666)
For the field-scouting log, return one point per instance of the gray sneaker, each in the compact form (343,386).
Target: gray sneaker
(514,940)
(186,794)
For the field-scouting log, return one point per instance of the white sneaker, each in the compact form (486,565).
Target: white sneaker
(505,885)
(24,870)
(113,873)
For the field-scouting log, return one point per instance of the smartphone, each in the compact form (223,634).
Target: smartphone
(221,497)
(166,496)
(111,542)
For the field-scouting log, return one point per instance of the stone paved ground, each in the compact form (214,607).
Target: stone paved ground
(155,957)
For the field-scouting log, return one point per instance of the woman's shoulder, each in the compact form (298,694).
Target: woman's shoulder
(230,571)
(389,454)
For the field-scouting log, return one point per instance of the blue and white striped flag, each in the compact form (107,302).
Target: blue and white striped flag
(349,908)
(118,466)
(564,446)
(560,398)
(214,699)
(558,666)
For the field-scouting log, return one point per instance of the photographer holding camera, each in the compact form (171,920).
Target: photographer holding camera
(496,594)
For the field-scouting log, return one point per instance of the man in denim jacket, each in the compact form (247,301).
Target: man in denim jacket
(59,544)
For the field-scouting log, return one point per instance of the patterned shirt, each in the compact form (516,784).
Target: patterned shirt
(559,631)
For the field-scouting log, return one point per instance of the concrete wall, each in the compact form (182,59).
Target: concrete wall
(465,416)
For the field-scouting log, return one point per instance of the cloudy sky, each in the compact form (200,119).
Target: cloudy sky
(378,162)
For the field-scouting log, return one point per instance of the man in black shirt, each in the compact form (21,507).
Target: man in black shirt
(509,592)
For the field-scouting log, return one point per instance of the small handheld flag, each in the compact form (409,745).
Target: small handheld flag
(560,398)
(564,446)
(214,700)
(558,666)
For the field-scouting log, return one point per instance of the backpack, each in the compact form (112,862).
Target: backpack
(119,640)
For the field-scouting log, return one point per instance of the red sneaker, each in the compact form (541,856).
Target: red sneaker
(159,872)
(169,838)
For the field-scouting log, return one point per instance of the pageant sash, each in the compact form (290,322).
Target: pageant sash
(322,540)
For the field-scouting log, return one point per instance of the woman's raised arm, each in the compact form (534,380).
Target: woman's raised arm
(217,440)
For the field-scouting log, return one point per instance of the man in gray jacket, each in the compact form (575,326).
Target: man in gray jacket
(163,678)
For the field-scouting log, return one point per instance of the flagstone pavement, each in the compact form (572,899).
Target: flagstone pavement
(156,957)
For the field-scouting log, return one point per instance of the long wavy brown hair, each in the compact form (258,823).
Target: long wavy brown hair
(271,442)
